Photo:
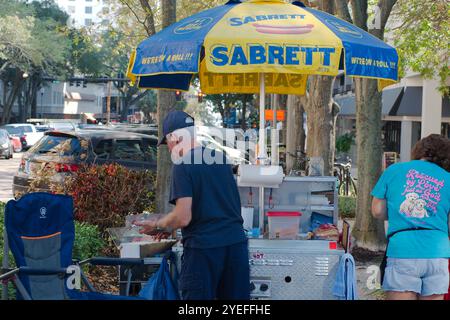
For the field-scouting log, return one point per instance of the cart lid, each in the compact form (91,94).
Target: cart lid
(284,214)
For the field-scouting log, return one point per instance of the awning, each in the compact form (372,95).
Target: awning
(390,98)
(411,104)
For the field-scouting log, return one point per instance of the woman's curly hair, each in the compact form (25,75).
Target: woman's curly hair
(434,148)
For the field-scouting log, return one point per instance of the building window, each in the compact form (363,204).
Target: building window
(105,22)
(71,9)
(88,10)
(87,22)
(105,10)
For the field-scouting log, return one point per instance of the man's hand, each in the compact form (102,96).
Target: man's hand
(148,227)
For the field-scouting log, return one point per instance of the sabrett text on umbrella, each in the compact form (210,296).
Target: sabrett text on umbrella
(239,21)
(252,79)
(271,54)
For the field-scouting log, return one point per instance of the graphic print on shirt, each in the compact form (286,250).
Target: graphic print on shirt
(422,195)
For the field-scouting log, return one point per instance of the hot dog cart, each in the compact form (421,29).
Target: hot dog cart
(296,269)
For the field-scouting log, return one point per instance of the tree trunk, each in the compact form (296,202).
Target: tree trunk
(320,121)
(10,97)
(321,118)
(166,101)
(368,232)
(295,136)
(35,86)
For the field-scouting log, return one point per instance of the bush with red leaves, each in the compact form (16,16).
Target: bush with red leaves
(104,195)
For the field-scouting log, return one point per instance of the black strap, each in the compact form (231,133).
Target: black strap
(389,236)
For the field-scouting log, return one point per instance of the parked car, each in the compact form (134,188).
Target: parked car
(236,156)
(136,128)
(26,132)
(64,152)
(61,126)
(6,147)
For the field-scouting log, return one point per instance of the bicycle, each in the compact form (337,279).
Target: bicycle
(347,185)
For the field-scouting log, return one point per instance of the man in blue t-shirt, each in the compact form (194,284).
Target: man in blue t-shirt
(415,199)
(215,261)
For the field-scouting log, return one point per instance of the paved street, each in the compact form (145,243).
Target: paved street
(7,170)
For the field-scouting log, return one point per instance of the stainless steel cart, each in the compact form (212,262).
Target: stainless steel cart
(294,269)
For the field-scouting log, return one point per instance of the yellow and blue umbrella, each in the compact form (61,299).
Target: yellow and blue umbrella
(259,46)
(230,46)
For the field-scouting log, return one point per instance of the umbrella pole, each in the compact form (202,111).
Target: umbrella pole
(262,146)
(262,156)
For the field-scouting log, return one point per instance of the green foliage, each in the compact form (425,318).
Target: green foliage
(223,103)
(30,38)
(88,241)
(2,223)
(347,207)
(423,37)
(345,142)
(148,104)
(11,290)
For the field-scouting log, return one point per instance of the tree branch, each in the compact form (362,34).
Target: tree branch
(342,10)
(139,97)
(149,17)
(386,9)
(360,16)
(4,66)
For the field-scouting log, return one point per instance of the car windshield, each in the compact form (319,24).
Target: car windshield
(3,136)
(57,145)
(14,130)
(27,128)
(61,126)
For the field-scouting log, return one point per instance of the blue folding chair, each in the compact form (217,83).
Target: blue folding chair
(41,232)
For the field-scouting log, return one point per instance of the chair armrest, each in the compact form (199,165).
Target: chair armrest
(106,261)
(42,271)
(7,273)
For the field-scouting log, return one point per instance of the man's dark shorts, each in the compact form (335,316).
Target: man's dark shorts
(217,273)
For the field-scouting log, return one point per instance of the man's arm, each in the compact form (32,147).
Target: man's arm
(379,210)
(180,217)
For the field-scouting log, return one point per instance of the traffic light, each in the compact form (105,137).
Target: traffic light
(78,83)
(178,95)
(200,97)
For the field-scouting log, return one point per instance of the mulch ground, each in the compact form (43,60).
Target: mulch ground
(105,279)
(365,256)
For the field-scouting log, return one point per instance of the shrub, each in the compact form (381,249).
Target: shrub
(347,207)
(88,241)
(2,224)
(104,195)
(11,290)
(345,142)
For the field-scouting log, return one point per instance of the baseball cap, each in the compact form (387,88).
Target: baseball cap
(173,121)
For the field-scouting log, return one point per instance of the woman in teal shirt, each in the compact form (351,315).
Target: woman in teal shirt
(416,195)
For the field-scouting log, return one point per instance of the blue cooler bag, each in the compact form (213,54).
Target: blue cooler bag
(161,286)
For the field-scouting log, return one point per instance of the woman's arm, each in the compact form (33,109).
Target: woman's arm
(379,210)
